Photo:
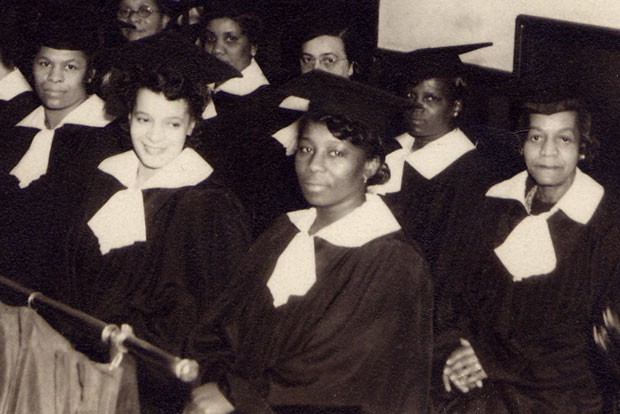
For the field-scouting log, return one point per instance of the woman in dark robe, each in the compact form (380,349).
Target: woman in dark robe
(238,125)
(438,176)
(158,233)
(535,269)
(47,156)
(334,307)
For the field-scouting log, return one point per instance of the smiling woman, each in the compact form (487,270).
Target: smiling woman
(158,233)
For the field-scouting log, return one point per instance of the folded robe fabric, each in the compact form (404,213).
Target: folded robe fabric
(41,373)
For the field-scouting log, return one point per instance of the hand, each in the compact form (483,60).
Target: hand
(611,327)
(208,399)
(463,369)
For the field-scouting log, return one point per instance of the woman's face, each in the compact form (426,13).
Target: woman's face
(59,77)
(225,40)
(145,15)
(158,128)
(326,53)
(432,113)
(331,172)
(551,150)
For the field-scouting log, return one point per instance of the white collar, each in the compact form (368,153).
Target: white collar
(121,221)
(12,85)
(579,202)
(90,113)
(367,222)
(438,155)
(188,168)
(253,78)
(294,273)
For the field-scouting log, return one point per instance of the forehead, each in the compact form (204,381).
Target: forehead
(223,25)
(319,134)
(156,103)
(557,121)
(135,4)
(61,54)
(324,44)
(436,85)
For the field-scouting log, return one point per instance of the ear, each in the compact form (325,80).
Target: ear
(90,75)
(190,130)
(253,50)
(371,167)
(165,19)
(351,69)
(458,107)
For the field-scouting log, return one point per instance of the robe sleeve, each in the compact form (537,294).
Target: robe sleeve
(205,238)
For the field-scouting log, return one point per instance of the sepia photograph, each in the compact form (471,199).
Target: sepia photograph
(309,207)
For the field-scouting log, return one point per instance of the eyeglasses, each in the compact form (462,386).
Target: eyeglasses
(327,61)
(143,12)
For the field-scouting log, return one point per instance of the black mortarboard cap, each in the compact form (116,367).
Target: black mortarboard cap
(228,8)
(335,95)
(170,49)
(421,64)
(73,26)
(547,87)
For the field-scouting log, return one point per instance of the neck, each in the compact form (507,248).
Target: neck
(328,215)
(53,117)
(144,173)
(552,194)
(421,142)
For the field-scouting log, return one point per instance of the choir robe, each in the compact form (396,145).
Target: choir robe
(195,235)
(533,336)
(16,99)
(35,219)
(361,337)
(15,109)
(432,207)
(238,142)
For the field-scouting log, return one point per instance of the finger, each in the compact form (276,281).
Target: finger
(467,365)
(460,353)
(459,384)
(606,317)
(446,382)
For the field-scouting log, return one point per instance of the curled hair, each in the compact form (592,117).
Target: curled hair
(123,86)
(588,144)
(343,128)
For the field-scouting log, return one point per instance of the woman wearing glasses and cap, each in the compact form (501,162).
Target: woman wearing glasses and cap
(537,266)
(143,18)
(158,234)
(332,308)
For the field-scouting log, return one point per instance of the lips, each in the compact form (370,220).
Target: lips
(53,92)
(313,185)
(153,150)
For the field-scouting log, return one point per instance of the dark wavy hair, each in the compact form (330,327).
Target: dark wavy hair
(588,144)
(174,83)
(358,134)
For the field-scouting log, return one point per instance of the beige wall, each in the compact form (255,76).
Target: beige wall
(414,24)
